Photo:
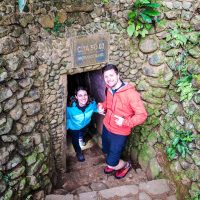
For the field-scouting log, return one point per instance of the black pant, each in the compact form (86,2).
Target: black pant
(75,135)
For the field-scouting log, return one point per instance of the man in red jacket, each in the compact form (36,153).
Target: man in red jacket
(123,110)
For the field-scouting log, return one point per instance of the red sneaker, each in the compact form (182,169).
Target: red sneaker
(108,170)
(121,173)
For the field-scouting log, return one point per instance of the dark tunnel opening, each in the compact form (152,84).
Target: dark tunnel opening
(94,82)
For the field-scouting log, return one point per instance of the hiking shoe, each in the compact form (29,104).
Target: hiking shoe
(81,142)
(121,173)
(80,157)
(108,170)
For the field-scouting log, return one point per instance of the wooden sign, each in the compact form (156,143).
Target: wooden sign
(90,49)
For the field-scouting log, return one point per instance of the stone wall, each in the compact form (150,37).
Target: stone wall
(24,140)
(34,63)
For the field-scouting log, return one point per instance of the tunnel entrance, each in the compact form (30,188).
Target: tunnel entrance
(78,174)
(94,82)
(72,170)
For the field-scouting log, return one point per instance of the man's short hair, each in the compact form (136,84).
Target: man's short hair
(109,67)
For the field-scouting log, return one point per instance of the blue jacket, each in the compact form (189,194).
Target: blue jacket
(77,119)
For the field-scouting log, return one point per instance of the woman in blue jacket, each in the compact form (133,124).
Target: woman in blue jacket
(79,115)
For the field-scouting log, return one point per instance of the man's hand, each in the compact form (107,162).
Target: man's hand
(119,120)
(101,109)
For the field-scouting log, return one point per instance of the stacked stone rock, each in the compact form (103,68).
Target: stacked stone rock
(33,61)
(158,89)
(24,143)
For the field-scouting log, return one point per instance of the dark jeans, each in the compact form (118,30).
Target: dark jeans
(113,146)
(75,135)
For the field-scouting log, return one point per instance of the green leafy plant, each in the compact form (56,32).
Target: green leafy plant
(179,144)
(197,197)
(179,37)
(105,1)
(57,25)
(6,178)
(185,88)
(143,16)
(184,83)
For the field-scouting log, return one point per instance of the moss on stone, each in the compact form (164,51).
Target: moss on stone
(197,78)
(194,52)
(22,184)
(46,180)
(143,86)
(171,62)
(150,111)
(194,191)
(159,92)
(196,121)
(152,138)
(194,37)
(172,107)
(33,169)
(164,46)
(17,172)
(8,195)
(145,131)
(172,52)
(192,174)
(154,122)
(163,135)
(44,169)
(154,168)
(148,96)
(145,155)
(31,158)
(182,190)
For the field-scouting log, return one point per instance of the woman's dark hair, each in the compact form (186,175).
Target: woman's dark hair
(73,98)
(109,67)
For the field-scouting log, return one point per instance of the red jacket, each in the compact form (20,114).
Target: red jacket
(126,103)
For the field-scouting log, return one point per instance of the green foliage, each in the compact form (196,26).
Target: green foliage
(179,38)
(57,25)
(143,16)
(197,77)
(197,196)
(6,178)
(105,1)
(185,88)
(179,144)
(184,83)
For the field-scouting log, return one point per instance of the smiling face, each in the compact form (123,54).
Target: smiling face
(82,97)
(112,79)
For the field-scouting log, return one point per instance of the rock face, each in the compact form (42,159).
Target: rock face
(35,60)
(47,21)
(148,45)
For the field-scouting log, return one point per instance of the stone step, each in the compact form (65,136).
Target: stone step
(89,176)
(149,190)
(91,172)
(86,180)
